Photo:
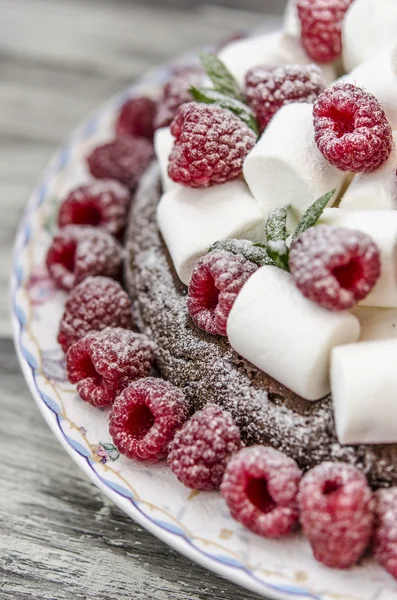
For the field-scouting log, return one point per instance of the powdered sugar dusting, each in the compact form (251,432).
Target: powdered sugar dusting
(208,370)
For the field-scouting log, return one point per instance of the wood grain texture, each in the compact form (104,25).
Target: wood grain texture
(60,538)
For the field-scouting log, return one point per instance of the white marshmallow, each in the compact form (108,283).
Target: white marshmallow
(286,335)
(368,26)
(381,225)
(163,144)
(286,167)
(191,220)
(376,323)
(274,49)
(378,75)
(364,392)
(376,190)
(292,25)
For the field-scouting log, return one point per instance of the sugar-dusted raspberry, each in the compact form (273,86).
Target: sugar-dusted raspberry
(77,252)
(336,512)
(333,266)
(216,280)
(103,204)
(210,147)
(104,362)
(267,90)
(93,305)
(201,450)
(260,487)
(145,418)
(321,27)
(351,129)
(176,92)
(385,536)
(124,159)
(136,117)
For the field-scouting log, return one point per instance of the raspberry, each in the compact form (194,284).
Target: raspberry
(125,159)
(351,129)
(77,252)
(93,305)
(102,204)
(145,417)
(333,266)
(201,450)
(104,362)
(336,507)
(211,145)
(321,27)
(136,117)
(268,90)
(260,487)
(216,280)
(175,93)
(385,536)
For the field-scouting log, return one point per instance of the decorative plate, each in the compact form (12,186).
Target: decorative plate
(196,524)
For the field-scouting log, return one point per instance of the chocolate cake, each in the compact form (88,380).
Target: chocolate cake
(209,370)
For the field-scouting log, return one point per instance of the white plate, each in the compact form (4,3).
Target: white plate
(196,524)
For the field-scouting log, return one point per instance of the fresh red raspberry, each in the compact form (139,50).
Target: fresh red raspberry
(260,487)
(268,90)
(145,418)
(176,92)
(104,362)
(102,204)
(351,129)
(336,512)
(201,450)
(216,280)
(77,252)
(136,117)
(124,159)
(385,536)
(93,305)
(210,147)
(333,266)
(321,27)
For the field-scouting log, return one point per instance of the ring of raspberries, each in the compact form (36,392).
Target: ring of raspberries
(150,419)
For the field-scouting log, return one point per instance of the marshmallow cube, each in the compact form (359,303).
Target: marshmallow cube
(191,220)
(364,392)
(376,190)
(292,25)
(376,323)
(274,49)
(284,334)
(163,144)
(286,167)
(368,26)
(378,75)
(381,226)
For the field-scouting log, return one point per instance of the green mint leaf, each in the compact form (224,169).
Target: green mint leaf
(220,76)
(312,214)
(278,251)
(255,253)
(241,110)
(276,225)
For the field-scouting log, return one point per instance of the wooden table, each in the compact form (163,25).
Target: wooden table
(59,59)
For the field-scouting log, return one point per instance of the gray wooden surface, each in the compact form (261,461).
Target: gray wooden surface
(60,538)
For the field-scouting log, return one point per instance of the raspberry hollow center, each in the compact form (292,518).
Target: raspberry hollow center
(343,121)
(86,366)
(258,494)
(329,487)
(211,293)
(67,255)
(349,274)
(87,214)
(140,421)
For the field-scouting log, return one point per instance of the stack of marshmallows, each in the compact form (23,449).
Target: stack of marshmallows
(304,346)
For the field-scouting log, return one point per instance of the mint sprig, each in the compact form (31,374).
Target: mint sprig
(276,224)
(250,251)
(312,214)
(223,81)
(241,110)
